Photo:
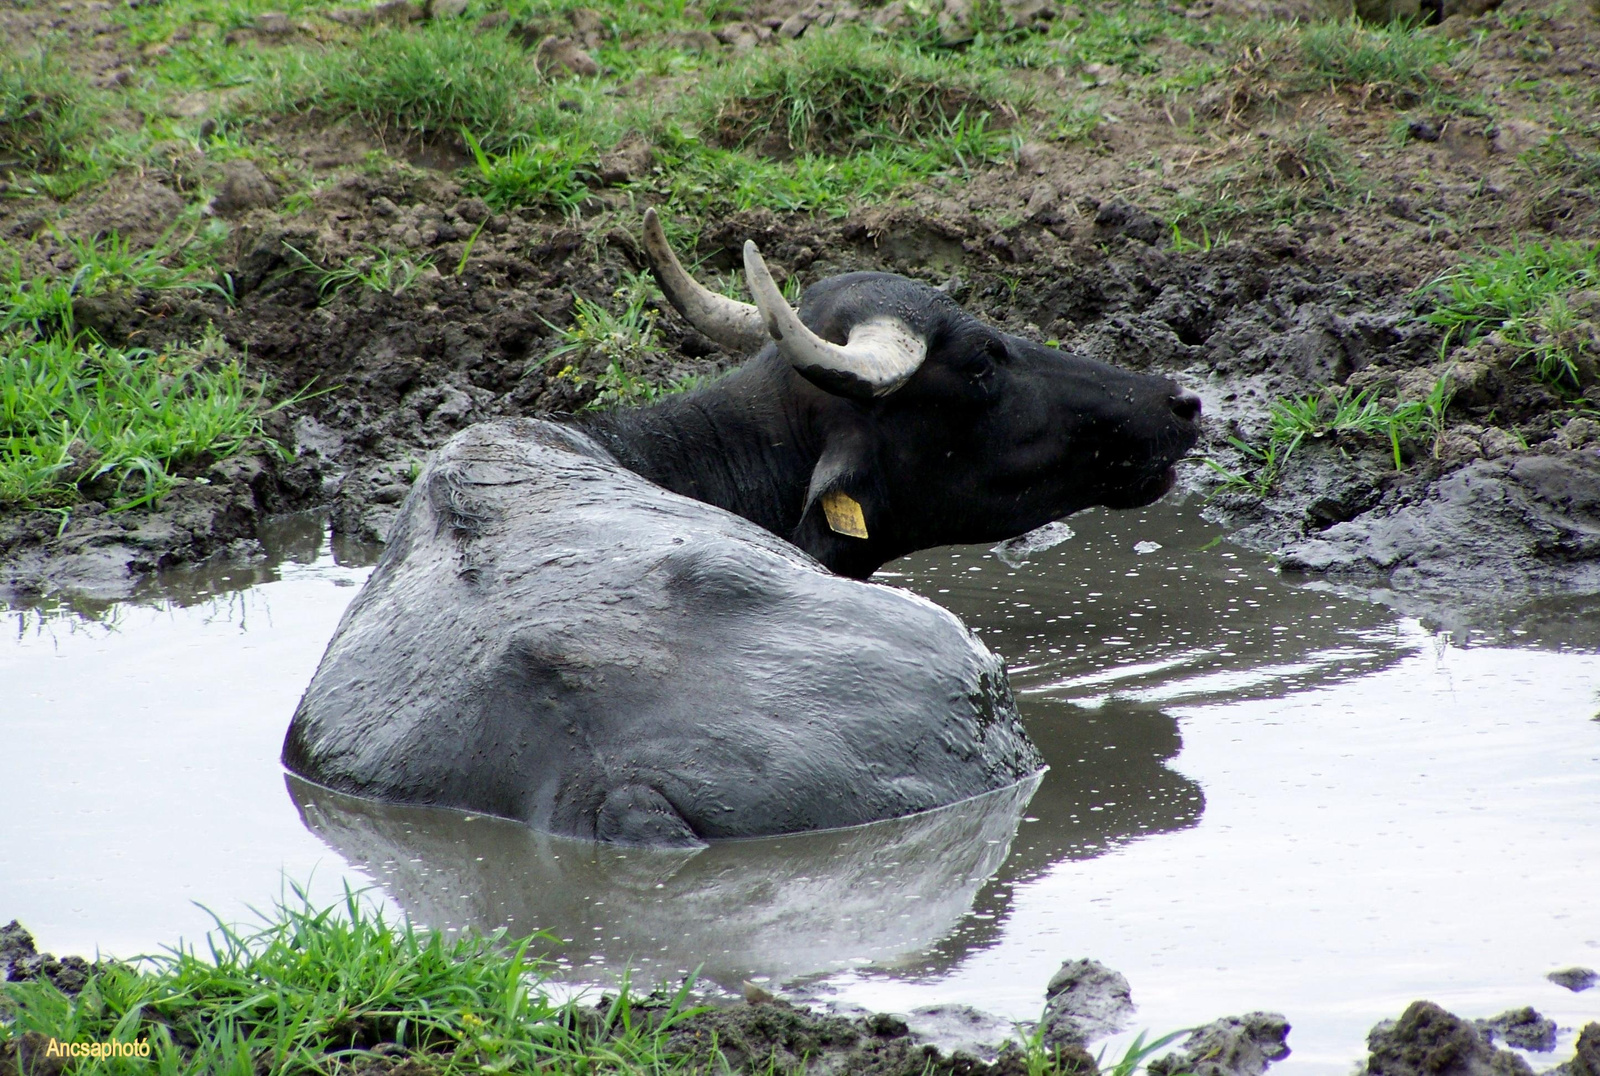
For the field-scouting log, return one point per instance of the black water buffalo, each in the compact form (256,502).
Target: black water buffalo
(611,628)
(940,428)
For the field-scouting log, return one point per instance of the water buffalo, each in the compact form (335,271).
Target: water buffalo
(941,429)
(611,628)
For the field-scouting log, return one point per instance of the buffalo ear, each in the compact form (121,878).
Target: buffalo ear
(841,485)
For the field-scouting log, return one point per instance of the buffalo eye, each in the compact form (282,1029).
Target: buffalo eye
(980,364)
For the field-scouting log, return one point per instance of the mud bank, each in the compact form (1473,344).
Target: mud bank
(1256,320)
(767,1034)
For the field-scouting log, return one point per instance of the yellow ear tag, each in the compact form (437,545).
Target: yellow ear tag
(844,514)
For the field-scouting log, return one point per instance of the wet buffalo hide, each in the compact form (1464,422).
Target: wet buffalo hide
(553,639)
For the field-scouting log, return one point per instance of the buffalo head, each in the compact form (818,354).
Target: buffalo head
(881,418)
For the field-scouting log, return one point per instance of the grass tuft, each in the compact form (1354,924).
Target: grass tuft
(549,173)
(706,179)
(1527,294)
(1338,414)
(839,93)
(1395,62)
(42,114)
(314,988)
(380,270)
(1305,170)
(1561,158)
(79,416)
(424,82)
(833,122)
(611,351)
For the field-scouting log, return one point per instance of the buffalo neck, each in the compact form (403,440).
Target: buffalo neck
(730,444)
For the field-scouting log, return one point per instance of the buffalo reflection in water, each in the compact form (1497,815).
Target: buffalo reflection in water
(782,906)
(895,894)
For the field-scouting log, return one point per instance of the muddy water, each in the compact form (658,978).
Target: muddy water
(140,740)
(1261,795)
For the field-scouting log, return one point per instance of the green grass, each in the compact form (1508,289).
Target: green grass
(843,92)
(1311,158)
(1304,170)
(1566,160)
(1402,63)
(833,122)
(1118,36)
(1040,1060)
(210,19)
(1339,415)
(532,173)
(379,270)
(1335,414)
(706,179)
(611,350)
(42,114)
(822,124)
(1525,293)
(325,990)
(1138,1052)
(78,415)
(312,988)
(55,134)
(422,82)
(74,412)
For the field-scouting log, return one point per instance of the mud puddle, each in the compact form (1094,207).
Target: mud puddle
(1262,795)
(140,741)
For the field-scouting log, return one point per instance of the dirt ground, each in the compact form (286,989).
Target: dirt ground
(1070,240)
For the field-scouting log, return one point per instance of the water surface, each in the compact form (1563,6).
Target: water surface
(1262,794)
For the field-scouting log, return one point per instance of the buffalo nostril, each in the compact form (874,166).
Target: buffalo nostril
(1186,405)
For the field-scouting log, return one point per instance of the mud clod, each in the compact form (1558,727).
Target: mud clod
(629,161)
(558,57)
(1575,979)
(141,213)
(16,944)
(1428,1041)
(1085,1001)
(962,1029)
(1119,218)
(777,1036)
(20,961)
(1232,1046)
(243,188)
(1523,1028)
(887,1026)
(1534,517)
(1586,1060)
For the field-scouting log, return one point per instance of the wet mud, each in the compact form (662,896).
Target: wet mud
(1427,1039)
(1241,325)
(1233,1046)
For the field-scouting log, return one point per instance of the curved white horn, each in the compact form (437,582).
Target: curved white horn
(882,353)
(727,321)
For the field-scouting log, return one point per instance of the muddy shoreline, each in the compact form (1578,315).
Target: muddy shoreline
(1261,318)
(1091,242)
(1085,1001)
